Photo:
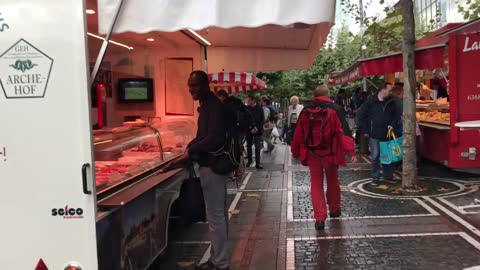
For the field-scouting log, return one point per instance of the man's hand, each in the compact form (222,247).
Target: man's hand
(178,163)
(390,127)
(185,155)
(354,159)
(366,135)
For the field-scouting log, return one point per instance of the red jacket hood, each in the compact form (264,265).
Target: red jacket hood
(322,99)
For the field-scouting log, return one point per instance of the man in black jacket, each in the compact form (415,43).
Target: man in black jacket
(211,134)
(378,115)
(254,136)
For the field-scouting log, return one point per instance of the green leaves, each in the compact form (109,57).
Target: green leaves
(470,10)
(341,50)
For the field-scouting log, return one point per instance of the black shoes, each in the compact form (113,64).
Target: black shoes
(336,214)
(257,166)
(319,225)
(375,182)
(209,266)
(390,180)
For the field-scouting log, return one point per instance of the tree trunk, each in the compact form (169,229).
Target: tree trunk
(409,174)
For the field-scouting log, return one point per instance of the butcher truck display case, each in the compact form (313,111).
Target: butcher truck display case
(126,153)
(134,199)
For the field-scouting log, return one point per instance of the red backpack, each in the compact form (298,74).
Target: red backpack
(319,133)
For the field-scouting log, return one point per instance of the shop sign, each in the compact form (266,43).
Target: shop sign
(347,76)
(24,71)
(3,24)
(471,46)
(468,82)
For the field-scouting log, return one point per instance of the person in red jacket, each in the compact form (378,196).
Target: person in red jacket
(320,143)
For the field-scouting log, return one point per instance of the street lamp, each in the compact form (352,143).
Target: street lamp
(364,46)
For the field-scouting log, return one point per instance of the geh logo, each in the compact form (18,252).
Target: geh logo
(67,212)
(24,71)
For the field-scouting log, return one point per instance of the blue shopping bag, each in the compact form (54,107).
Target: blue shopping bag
(391,151)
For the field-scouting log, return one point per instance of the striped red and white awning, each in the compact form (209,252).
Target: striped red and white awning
(235,82)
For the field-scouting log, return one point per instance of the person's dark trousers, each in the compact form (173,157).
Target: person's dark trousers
(363,144)
(251,141)
(290,133)
(388,169)
(357,138)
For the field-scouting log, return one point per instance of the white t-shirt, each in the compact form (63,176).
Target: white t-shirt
(293,114)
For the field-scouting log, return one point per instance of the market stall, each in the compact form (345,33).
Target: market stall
(452,64)
(96,197)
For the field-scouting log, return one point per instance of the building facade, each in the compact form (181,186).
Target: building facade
(437,13)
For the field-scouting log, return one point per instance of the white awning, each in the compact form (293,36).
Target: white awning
(268,34)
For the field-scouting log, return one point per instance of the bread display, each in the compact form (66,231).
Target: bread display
(436,116)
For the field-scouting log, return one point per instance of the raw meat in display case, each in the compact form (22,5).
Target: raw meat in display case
(124,153)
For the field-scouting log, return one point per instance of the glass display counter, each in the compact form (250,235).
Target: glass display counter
(124,153)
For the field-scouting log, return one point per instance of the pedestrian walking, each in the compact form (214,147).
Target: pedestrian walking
(320,143)
(255,134)
(280,127)
(376,117)
(340,98)
(357,102)
(213,124)
(293,113)
(269,125)
(242,123)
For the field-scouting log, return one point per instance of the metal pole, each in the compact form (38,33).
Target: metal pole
(205,57)
(362,51)
(105,43)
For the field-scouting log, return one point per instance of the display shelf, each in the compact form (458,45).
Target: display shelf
(468,125)
(439,122)
(434,125)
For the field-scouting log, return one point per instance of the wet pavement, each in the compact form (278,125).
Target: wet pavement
(271,224)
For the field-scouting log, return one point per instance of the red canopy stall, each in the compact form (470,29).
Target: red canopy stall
(425,58)
(235,82)
(442,142)
(464,56)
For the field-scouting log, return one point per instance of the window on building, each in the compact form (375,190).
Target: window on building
(426,13)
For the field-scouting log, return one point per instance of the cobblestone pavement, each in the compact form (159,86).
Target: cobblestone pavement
(271,224)
(302,178)
(354,205)
(445,251)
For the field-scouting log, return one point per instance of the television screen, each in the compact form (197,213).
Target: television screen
(135,90)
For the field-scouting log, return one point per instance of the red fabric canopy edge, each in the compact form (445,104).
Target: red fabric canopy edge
(425,58)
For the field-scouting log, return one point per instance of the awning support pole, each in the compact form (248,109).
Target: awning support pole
(374,86)
(205,57)
(362,48)
(105,43)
